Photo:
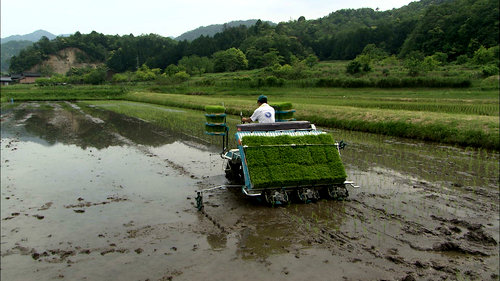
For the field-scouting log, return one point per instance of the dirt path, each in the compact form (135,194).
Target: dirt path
(112,198)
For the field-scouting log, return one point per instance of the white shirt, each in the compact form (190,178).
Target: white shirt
(263,114)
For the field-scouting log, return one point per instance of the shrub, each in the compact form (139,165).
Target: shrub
(430,63)
(353,67)
(43,82)
(462,59)
(120,78)
(95,77)
(182,76)
(489,70)
(484,56)
(442,58)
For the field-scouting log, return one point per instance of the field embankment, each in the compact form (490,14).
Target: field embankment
(463,117)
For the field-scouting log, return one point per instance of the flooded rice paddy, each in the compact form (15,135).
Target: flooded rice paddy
(90,194)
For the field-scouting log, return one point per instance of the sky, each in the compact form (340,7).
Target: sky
(165,18)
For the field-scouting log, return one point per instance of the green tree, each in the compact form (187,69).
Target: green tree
(485,56)
(230,60)
(414,63)
(96,76)
(171,70)
(272,58)
(311,60)
(196,65)
(144,73)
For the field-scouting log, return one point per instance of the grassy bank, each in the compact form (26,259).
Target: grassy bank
(465,117)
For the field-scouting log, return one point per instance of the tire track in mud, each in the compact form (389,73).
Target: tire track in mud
(354,246)
(349,247)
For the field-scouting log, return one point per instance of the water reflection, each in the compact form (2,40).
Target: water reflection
(53,122)
(426,161)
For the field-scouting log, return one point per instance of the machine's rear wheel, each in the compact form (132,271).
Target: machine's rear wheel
(234,172)
(307,195)
(337,192)
(276,197)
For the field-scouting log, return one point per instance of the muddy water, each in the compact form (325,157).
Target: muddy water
(89,194)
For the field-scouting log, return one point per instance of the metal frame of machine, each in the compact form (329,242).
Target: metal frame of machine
(237,169)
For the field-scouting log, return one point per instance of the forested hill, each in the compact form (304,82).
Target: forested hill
(453,27)
(211,30)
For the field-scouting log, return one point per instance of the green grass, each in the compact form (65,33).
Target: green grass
(66,92)
(460,125)
(273,162)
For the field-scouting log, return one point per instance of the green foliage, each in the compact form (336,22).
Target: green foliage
(272,58)
(453,26)
(373,53)
(489,70)
(484,56)
(433,27)
(171,70)
(273,163)
(229,60)
(196,65)
(362,62)
(462,59)
(414,63)
(96,76)
(10,49)
(181,76)
(144,73)
(353,67)
(43,82)
(120,78)
(311,60)
(441,57)
(430,63)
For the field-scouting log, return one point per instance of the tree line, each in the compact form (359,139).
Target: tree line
(429,27)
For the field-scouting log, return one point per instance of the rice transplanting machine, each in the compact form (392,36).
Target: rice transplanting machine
(282,161)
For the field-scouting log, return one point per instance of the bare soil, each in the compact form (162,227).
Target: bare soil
(87,198)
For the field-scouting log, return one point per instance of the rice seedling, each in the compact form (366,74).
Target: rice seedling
(273,162)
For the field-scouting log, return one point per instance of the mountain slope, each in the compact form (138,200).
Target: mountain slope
(211,30)
(33,37)
(10,49)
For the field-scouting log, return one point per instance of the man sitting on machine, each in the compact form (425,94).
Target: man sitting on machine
(264,113)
